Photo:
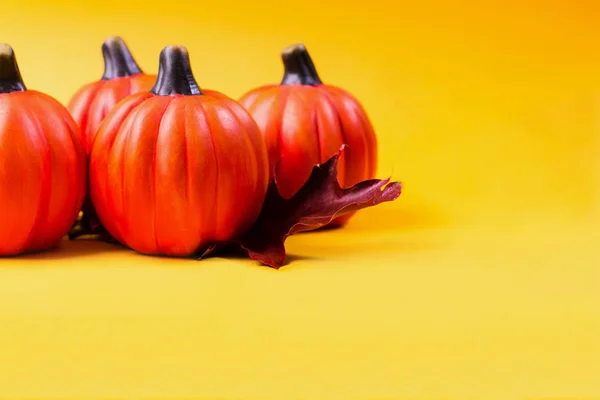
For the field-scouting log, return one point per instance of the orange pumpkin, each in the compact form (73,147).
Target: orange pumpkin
(179,168)
(122,77)
(304,122)
(42,165)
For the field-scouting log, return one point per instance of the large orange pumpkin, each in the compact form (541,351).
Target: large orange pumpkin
(122,77)
(179,168)
(42,165)
(304,122)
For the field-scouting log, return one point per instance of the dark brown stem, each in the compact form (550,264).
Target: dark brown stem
(175,74)
(118,61)
(299,68)
(10,76)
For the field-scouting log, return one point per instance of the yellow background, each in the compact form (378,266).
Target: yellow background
(481,281)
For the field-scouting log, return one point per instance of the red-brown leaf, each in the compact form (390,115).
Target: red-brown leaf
(317,203)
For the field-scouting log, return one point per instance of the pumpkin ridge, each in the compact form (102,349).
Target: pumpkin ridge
(209,132)
(278,94)
(207,236)
(83,117)
(42,208)
(370,138)
(88,133)
(187,110)
(343,133)
(352,104)
(315,123)
(157,245)
(134,115)
(124,222)
(283,98)
(68,120)
(255,163)
(62,134)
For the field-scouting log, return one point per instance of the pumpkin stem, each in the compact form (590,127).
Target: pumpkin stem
(10,76)
(118,61)
(299,68)
(175,74)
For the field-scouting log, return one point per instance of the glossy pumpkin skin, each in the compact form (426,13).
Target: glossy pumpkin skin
(122,77)
(92,103)
(305,122)
(172,173)
(42,169)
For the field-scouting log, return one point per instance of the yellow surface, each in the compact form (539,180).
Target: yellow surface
(481,281)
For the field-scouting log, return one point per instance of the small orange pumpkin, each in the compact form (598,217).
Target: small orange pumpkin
(42,165)
(304,122)
(177,169)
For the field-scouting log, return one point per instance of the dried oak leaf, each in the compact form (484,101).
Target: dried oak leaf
(317,203)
